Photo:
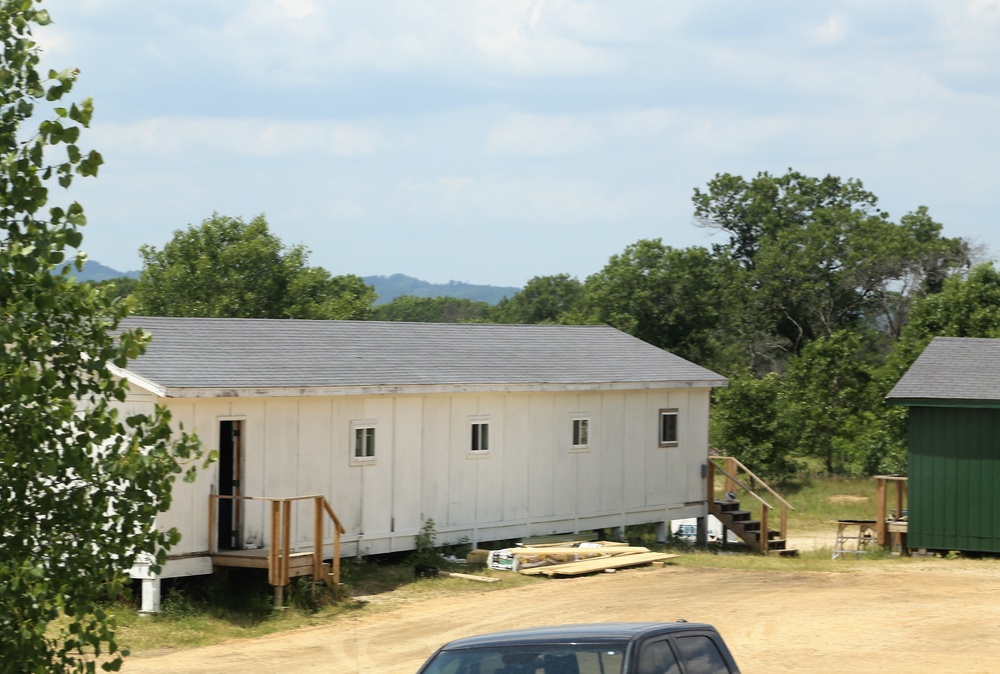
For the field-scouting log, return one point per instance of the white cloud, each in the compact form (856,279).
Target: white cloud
(539,136)
(834,30)
(644,123)
(298,9)
(531,37)
(241,137)
(513,200)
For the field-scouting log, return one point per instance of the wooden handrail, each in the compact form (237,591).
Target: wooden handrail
(280,531)
(732,479)
(746,488)
(762,483)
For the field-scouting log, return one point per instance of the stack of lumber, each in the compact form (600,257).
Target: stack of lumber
(573,559)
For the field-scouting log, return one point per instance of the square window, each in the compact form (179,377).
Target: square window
(364,443)
(480,437)
(581,432)
(668,428)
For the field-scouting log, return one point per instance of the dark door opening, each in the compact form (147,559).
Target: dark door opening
(230,467)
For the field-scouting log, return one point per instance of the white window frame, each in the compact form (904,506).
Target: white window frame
(366,428)
(580,427)
(474,437)
(661,428)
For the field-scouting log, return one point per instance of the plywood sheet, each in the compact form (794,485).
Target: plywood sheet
(595,565)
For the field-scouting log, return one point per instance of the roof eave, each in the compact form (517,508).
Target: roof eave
(140,381)
(414,389)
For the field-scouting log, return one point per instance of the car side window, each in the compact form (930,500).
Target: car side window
(657,657)
(701,655)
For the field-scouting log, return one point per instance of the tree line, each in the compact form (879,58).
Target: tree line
(813,304)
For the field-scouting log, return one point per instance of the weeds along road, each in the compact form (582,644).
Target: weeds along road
(931,615)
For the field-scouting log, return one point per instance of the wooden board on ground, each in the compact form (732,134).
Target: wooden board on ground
(562,551)
(571,543)
(594,565)
(468,576)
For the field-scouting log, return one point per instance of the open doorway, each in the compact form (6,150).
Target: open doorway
(230,533)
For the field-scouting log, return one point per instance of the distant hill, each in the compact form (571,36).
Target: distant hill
(391,287)
(95,271)
(387,287)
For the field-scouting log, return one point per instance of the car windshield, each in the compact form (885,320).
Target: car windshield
(531,659)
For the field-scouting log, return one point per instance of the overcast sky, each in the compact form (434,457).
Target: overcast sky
(491,141)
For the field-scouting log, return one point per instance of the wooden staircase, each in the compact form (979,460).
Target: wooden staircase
(280,558)
(740,521)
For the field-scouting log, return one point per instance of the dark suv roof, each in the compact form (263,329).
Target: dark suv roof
(597,633)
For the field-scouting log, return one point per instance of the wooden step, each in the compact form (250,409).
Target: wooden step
(727,506)
(737,515)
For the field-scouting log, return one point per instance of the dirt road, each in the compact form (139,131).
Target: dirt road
(933,616)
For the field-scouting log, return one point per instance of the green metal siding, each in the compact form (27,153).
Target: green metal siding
(954,479)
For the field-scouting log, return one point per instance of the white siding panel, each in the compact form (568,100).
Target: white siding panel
(314,462)
(611,431)
(640,440)
(696,447)
(281,448)
(541,467)
(407,430)
(517,456)
(436,462)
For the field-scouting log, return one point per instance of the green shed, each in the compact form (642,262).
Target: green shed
(953,394)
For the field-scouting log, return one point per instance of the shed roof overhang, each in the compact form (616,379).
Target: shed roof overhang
(945,402)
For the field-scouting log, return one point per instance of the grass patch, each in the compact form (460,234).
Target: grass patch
(238,604)
(820,502)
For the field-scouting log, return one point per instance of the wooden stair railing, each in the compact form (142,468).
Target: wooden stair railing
(759,541)
(279,555)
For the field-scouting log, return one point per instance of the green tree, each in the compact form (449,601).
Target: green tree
(819,255)
(824,399)
(79,485)
(229,268)
(967,306)
(314,294)
(544,299)
(672,298)
(432,310)
(746,424)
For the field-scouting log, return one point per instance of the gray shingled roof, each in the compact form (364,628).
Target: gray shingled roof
(257,353)
(952,368)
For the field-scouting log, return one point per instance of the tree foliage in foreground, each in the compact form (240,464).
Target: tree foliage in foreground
(79,485)
(228,268)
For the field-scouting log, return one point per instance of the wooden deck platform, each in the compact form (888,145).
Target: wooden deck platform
(300,562)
